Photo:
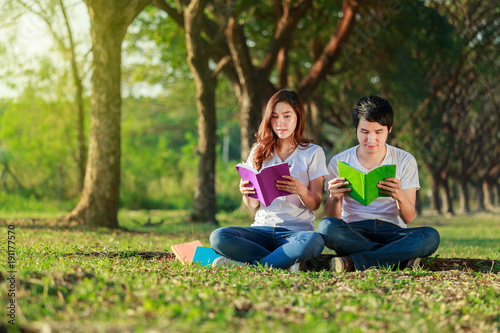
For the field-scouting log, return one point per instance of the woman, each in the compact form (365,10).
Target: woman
(282,234)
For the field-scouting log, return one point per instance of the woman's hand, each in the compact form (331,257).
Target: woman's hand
(246,190)
(310,196)
(291,185)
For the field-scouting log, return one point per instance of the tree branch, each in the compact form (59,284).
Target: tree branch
(332,50)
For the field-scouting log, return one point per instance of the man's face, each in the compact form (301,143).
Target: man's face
(371,136)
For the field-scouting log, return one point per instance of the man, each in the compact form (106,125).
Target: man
(377,234)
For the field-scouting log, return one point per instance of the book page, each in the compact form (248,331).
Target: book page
(373,177)
(356,181)
(264,181)
(268,177)
(247,173)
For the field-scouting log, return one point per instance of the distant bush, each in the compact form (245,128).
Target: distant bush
(12,202)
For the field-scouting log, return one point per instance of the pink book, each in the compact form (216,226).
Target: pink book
(185,252)
(264,181)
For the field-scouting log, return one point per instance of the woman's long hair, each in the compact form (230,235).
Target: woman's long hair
(267,140)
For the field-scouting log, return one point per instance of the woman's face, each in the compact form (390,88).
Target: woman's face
(284,121)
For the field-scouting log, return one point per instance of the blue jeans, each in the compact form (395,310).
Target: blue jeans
(377,243)
(276,247)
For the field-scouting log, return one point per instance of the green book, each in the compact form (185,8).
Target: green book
(364,185)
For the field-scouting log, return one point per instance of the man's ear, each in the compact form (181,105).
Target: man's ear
(390,129)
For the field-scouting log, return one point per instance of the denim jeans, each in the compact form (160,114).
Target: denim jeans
(377,243)
(271,246)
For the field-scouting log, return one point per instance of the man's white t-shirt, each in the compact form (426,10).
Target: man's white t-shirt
(306,164)
(382,208)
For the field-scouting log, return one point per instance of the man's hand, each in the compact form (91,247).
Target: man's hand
(392,186)
(335,189)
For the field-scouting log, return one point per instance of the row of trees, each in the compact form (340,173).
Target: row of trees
(436,62)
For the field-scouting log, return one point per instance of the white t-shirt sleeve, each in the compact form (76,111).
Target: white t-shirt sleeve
(333,171)
(317,166)
(250,157)
(408,173)
(333,167)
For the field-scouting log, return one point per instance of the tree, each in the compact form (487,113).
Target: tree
(204,207)
(77,78)
(455,93)
(429,69)
(252,75)
(49,12)
(98,205)
(255,82)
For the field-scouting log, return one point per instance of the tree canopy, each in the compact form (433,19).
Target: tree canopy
(166,125)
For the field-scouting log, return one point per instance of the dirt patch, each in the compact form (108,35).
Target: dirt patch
(124,254)
(428,263)
(322,262)
(461,264)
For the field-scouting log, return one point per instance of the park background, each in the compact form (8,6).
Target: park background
(130,116)
(436,62)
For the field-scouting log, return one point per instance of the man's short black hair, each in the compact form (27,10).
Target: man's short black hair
(373,109)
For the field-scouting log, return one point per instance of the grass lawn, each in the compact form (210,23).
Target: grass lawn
(128,293)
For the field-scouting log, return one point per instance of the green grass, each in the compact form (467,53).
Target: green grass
(99,294)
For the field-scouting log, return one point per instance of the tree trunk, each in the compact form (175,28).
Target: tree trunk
(314,115)
(252,93)
(98,205)
(81,151)
(435,204)
(486,194)
(204,206)
(480,196)
(447,197)
(491,190)
(463,193)
(497,192)
(250,116)
(81,154)
(418,204)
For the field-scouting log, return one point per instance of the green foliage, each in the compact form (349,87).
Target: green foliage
(156,52)
(37,142)
(129,293)
(12,203)
(159,151)
(390,53)
(227,186)
(154,132)
(415,35)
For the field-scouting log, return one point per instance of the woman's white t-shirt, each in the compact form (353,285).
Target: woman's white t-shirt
(306,164)
(382,208)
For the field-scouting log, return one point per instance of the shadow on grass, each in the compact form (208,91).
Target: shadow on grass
(173,228)
(322,262)
(432,264)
